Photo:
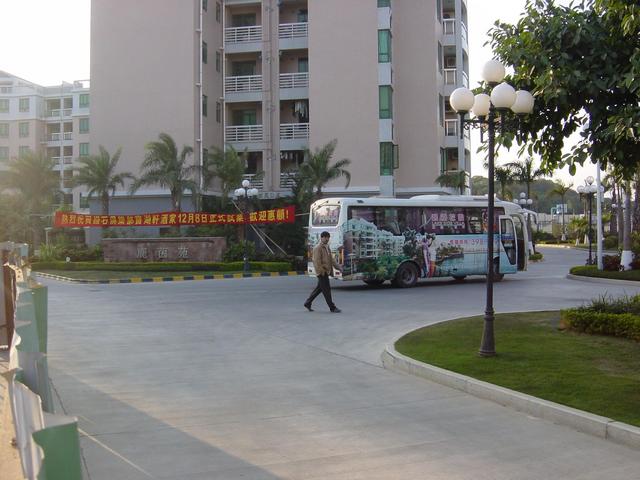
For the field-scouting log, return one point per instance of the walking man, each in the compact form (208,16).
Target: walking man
(323,263)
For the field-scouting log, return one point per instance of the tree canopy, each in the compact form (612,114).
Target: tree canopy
(582,62)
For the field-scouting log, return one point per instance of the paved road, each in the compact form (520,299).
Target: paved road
(234,379)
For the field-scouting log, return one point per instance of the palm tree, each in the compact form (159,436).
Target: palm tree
(316,170)
(525,173)
(32,176)
(97,173)
(228,165)
(561,190)
(504,177)
(163,166)
(453,179)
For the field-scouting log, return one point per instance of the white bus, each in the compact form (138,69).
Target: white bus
(403,240)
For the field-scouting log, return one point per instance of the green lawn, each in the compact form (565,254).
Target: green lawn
(113,275)
(592,271)
(592,373)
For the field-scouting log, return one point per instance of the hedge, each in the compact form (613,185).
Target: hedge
(592,271)
(585,320)
(161,266)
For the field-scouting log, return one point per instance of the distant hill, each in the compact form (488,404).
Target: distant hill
(543,200)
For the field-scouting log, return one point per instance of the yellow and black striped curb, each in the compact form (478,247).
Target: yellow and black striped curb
(173,278)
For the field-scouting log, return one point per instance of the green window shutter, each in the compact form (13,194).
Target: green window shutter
(384,46)
(23,150)
(384,3)
(4,153)
(386,158)
(23,129)
(204,105)
(204,52)
(83,125)
(205,5)
(386,102)
(84,149)
(4,130)
(24,105)
(4,105)
(84,100)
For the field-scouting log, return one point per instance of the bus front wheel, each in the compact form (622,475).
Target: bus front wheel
(497,277)
(459,278)
(406,276)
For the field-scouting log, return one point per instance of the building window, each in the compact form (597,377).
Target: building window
(440,55)
(204,105)
(205,4)
(204,52)
(23,105)
(439,10)
(83,126)
(388,158)
(84,201)
(218,11)
(245,117)
(83,149)
(245,68)
(23,150)
(4,153)
(443,161)
(303,16)
(386,102)
(4,105)
(84,100)
(218,61)
(243,20)
(4,130)
(384,3)
(218,112)
(441,109)
(384,46)
(205,153)
(23,129)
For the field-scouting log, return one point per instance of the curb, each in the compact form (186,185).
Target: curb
(176,278)
(585,422)
(611,281)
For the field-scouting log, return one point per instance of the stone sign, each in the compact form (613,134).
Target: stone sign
(188,249)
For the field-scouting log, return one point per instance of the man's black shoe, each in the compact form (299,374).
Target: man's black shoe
(308,307)
(336,310)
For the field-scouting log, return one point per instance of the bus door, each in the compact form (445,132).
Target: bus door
(520,241)
(509,245)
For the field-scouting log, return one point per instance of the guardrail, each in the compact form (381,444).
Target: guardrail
(294,80)
(48,444)
(243,83)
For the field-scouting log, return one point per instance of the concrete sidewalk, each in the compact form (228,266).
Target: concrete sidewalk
(9,456)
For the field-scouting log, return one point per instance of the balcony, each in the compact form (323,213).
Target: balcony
(256,181)
(451,77)
(65,160)
(294,136)
(451,127)
(245,88)
(243,39)
(294,86)
(449,30)
(287,180)
(293,35)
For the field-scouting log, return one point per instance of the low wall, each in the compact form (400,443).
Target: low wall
(187,249)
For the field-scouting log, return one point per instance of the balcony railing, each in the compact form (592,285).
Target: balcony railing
(293,30)
(243,34)
(59,112)
(294,80)
(287,180)
(294,131)
(449,76)
(57,136)
(65,160)
(256,181)
(244,133)
(244,83)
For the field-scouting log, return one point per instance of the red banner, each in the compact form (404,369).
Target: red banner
(171,219)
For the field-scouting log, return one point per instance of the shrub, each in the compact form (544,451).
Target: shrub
(535,257)
(585,320)
(540,236)
(611,263)
(160,266)
(235,252)
(610,242)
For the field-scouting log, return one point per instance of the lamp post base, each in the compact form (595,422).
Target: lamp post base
(488,347)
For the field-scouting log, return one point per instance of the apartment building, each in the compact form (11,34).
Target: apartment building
(50,120)
(274,77)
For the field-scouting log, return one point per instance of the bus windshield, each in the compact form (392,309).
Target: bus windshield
(325,216)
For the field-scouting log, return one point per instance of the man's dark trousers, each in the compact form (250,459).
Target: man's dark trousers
(323,287)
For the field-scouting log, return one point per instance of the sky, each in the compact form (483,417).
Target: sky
(53,46)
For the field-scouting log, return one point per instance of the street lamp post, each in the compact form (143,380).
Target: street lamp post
(490,110)
(245,192)
(588,190)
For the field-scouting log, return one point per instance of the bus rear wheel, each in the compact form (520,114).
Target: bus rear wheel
(374,282)
(406,276)
(459,278)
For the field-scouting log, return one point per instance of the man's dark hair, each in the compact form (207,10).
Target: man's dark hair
(325,234)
